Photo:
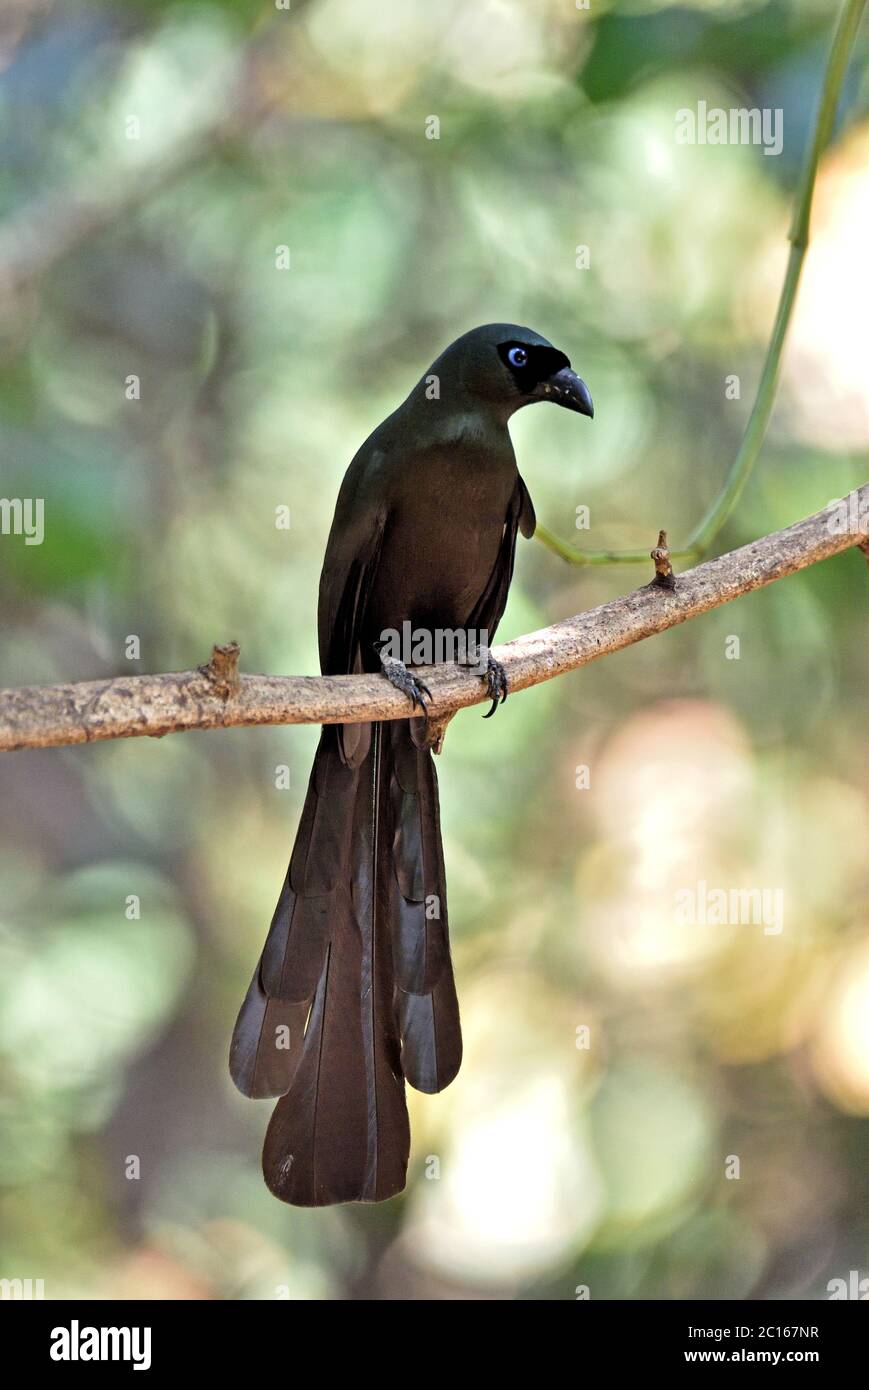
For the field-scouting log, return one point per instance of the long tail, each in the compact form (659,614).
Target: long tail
(354,990)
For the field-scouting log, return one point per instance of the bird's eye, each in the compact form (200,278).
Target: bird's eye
(517,357)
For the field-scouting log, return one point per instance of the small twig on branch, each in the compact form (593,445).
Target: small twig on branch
(216,696)
(222,670)
(664,576)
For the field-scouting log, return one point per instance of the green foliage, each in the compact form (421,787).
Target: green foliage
(560,1166)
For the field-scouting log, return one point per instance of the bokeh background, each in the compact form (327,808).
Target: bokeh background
(154,157)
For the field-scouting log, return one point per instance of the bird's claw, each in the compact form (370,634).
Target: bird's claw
(398,675)
(497,685)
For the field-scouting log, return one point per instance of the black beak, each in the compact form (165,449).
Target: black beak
(567,389)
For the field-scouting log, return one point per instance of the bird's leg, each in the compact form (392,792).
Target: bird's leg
(497,685)
(398,675)
(491,671)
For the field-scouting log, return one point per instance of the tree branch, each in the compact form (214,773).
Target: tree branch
(216,696)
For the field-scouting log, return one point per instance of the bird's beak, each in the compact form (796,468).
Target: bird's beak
(567,389)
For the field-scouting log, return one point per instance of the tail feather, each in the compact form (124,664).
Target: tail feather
(295,949)
(388,1127)
(315,1149)
(419,923)
(358,947)
(431,1034)
(267,1043)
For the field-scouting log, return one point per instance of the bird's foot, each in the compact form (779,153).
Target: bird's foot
(497,685)
(398,675)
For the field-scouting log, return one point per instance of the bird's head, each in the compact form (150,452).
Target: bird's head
(510,366)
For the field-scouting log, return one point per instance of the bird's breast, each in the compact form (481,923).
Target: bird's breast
(441,542)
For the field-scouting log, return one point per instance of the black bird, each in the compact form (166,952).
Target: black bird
(354,990)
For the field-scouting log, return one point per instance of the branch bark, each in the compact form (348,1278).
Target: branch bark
(216,696)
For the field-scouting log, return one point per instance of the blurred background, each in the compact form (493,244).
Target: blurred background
(232,236)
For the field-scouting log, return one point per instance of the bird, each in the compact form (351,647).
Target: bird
(354,993)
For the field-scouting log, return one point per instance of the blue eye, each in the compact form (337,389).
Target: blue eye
(517,357)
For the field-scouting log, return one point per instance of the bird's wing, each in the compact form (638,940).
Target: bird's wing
(349,567)
(492,602)
(345,584)
(527,514)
